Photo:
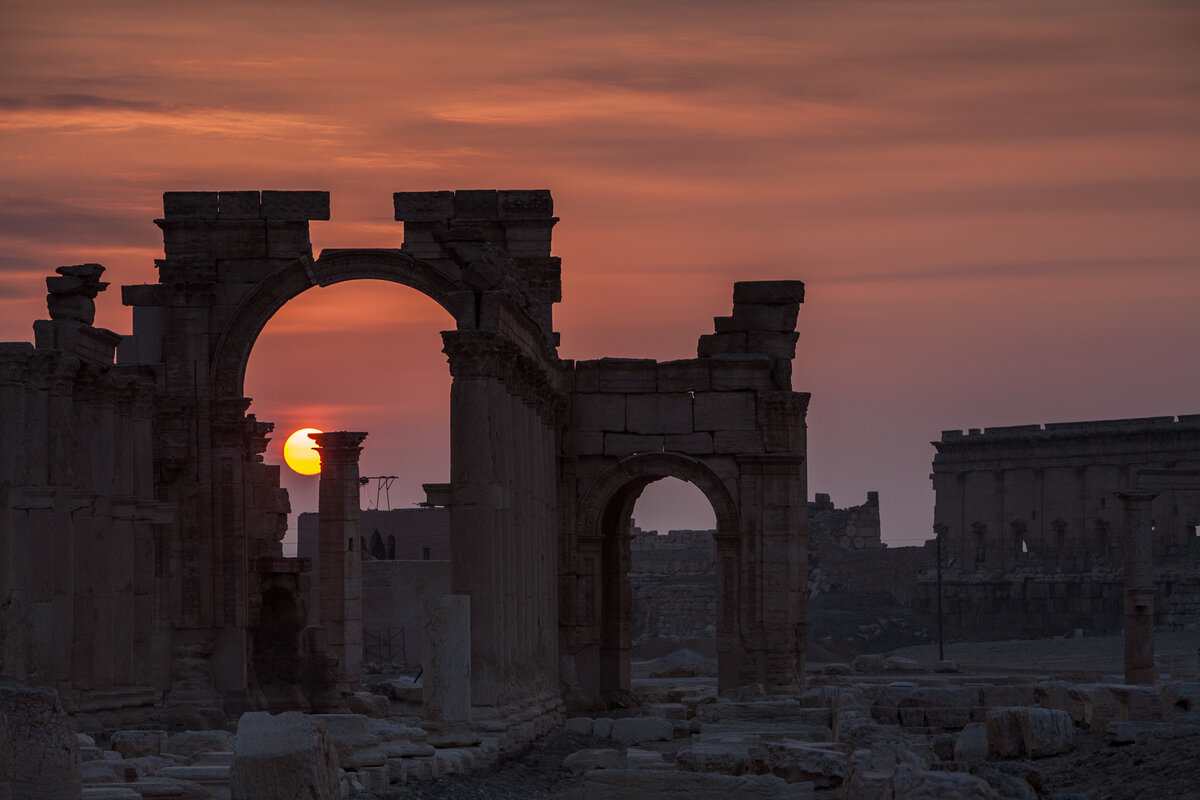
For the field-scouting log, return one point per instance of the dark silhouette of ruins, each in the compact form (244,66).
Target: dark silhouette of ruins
(142,527)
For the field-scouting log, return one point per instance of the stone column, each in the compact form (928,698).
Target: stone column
(340,572)
(1139,587)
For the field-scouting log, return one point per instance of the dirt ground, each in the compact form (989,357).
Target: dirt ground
(1099,656)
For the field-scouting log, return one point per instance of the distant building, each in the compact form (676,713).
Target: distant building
(1031,521)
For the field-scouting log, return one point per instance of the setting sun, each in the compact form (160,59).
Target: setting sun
(300,452)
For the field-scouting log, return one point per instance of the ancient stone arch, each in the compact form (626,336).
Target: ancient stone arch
(334,266)
(547,457)
(605,515)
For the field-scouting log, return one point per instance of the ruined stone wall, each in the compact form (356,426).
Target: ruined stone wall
(78,512)
(1042,605)
(673,578)
(392,595)
(1036,498)
(1032,523)
(404,534)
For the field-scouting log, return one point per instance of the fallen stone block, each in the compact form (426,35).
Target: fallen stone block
(588,760)
(33,722)
(132,744)
(581,725)
(191,743)
(657,784)
(634,730)
(911,783)
(971,744)
(1013,732)
(368,704)
(795,762)
(644,759)
(286,756)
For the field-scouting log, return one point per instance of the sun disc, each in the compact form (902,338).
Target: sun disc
(300,452)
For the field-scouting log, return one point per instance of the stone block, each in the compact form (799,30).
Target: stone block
(476,204)
(135,744)
(623,444)
(725,411)
(602,727)
(583,443)
(447,657)
(768,292)
(627,375)
(588,760)
(635,730)
(729,374)
(423,206)
(524,203)
(659,413)
(711,344)
(685,375)
(238,205)
(598,412)
(190,205)
(695,444)
(288,240)
(742,442)
(795,762)
(294,206)
(761,317)
(288,755)
(659,784)
(971,744)
(909,782)
(581,725)
(39,745)
(211,241)
(773,344)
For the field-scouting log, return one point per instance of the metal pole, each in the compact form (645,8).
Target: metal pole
(941,642)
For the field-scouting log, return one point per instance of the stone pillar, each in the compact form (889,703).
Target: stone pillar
(447,658)
(773,569)
(340,566)
(1139,587)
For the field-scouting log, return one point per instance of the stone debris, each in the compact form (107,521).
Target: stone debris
(42,750)
(284,756)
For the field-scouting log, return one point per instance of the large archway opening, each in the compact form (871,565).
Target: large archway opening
(367,355)
(359,355)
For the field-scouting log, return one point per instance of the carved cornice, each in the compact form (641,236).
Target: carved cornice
(484,354)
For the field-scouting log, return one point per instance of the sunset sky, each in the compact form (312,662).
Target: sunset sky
(993,204)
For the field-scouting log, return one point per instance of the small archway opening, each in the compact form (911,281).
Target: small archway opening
(666,600)
(673,577)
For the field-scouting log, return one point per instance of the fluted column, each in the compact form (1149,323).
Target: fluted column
(1139,587)
(340,572)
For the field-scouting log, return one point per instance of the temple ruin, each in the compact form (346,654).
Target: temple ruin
(1033,521)
(141,526)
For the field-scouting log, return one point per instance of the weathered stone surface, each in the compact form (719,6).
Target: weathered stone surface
(971,745)
(634,730)
(823,765)
(1012,732)
(368,704)
(283,757)
(768,292)
(190,743)
(911,783)
(587,760)
(45,762)
(612,784)
(131,744)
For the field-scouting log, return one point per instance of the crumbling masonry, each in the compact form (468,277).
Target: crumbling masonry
(141,528)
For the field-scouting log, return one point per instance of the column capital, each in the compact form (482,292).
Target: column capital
(339,446)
